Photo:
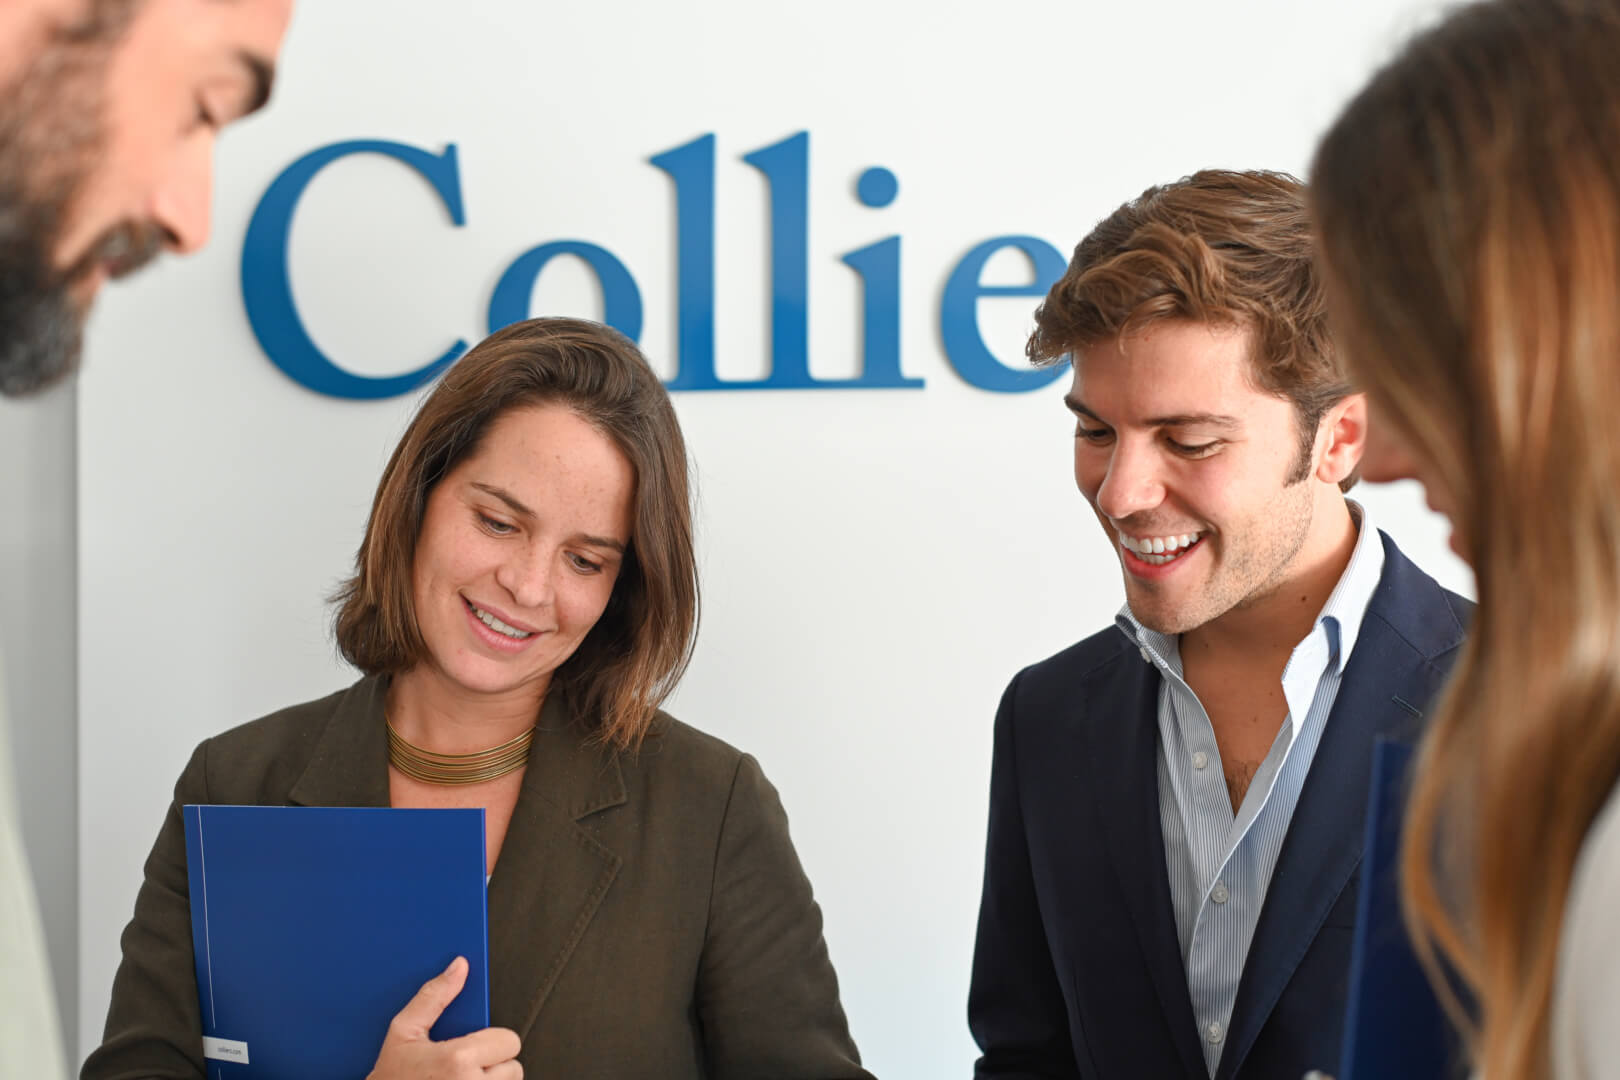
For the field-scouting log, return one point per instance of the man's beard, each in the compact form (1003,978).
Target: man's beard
(41,324)
(51,136)
(42,313)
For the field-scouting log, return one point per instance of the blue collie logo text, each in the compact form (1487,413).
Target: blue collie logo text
(267,290)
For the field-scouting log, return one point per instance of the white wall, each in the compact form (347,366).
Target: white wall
(876,564)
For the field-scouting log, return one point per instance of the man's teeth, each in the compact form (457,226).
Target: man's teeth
(496,625)
(1158,550)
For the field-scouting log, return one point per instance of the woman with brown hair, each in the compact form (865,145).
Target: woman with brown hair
(1468,211)
(525,597)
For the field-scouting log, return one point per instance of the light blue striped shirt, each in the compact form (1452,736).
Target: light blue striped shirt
(1220,863)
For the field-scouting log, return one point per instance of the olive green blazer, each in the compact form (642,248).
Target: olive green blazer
(648,916)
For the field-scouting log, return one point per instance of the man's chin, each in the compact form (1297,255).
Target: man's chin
(1168,627)
(40,342)
(1152,610)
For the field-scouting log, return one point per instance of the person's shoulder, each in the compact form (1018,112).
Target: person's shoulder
(1594,894)
(1069,670)
(1586,1002)
(1430,618)
(680,773)
(1401,573)
(267,755)
(671,745)
(291,725)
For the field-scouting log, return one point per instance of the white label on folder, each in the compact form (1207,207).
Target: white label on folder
(225,1050)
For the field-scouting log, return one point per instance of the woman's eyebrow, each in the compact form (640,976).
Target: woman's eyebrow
(506,497)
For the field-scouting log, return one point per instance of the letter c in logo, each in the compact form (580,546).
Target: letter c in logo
(267,287)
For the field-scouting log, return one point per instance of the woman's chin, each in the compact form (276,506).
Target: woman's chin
(479,677)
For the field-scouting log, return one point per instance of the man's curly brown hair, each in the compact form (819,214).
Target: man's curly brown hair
(1218,247)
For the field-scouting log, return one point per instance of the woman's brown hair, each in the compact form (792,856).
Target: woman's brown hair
(1467,205)
(635,654)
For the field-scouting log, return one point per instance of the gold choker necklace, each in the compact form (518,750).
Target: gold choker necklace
(456,769)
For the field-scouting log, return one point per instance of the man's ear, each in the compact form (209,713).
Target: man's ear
(1341,439)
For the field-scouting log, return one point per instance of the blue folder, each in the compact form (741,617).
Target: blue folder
(1395,1027)
(313,926)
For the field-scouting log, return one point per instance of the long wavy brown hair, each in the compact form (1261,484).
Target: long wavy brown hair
(1467,204)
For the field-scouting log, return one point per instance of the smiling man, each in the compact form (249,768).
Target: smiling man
(108,115)
(1177,802)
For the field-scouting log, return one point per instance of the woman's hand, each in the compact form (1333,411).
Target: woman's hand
(408,1054)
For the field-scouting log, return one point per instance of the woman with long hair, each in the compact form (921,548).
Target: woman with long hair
(1467,205)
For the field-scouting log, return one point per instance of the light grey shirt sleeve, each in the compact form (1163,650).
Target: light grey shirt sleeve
(1586,998)
(30,1035)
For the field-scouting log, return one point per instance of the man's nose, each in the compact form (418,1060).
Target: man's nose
(1132,483)
(182,206)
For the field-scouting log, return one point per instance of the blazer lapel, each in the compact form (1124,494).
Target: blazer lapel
(553,872)
(1390,678)
(350,764)
(1125,737)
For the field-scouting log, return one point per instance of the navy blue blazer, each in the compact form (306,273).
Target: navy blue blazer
(1078,971)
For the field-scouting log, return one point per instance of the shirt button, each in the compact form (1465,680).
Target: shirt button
(1219,893)
(1200,760)
(1212,1032)
(1145,654)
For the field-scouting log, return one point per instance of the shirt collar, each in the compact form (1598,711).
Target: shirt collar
(1346,608)
(1341,617)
